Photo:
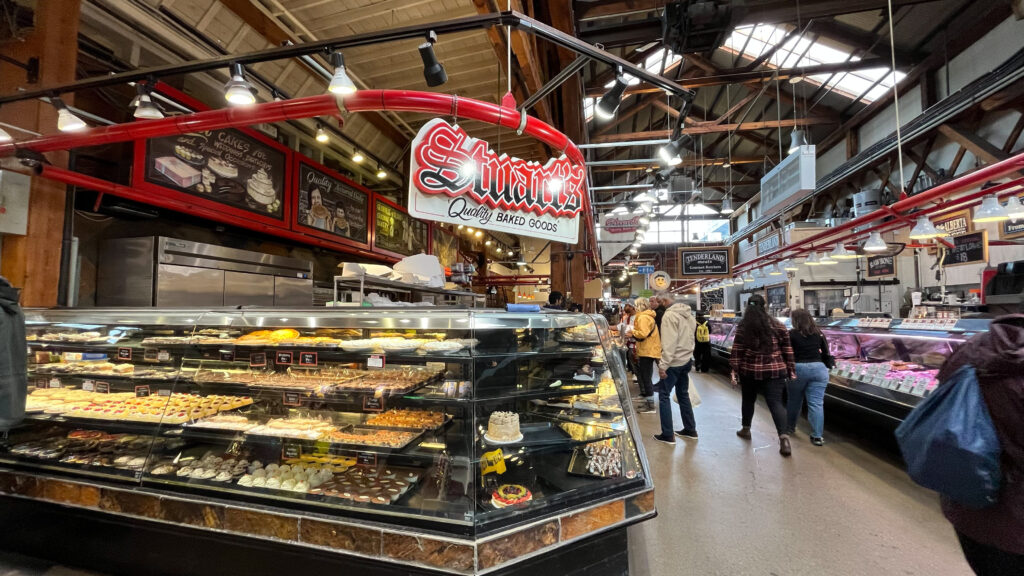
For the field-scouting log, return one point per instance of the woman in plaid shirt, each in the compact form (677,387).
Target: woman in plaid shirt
(762,362)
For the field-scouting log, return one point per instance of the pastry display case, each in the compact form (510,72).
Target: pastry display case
(468,424)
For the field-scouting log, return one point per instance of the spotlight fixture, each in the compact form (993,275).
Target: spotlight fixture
(841,253)
(340,82)
(726,206)
(991,210)
(145,109)
(796,78)
(358,157)
(321,134)
(670,151)
(796,140)
(609,103)
(875,243)
(433,71)
(66,120)
(469,230)
(238,91)
(607,280)
(381,173)
(478,234)
(924,229)
(498,250)
(460,227)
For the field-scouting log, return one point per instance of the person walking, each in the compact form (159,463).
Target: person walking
(648,351)
(813,360)
(677,331)
(992,538)
(702,345)
(761,361)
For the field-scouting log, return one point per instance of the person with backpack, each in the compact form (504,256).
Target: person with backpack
(648,352)
(702,345)
(813,361)
(761,361)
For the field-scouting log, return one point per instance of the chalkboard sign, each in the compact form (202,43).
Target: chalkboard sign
(968,249)
(777,296)
(396,231)
(226,166)
(332,205)
(956,223)
(709,262)
(1010,229)
(881,266)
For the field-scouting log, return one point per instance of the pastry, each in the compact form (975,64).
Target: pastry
(177,171)
(509,494)
(503,427)
(222,168)
(261,188)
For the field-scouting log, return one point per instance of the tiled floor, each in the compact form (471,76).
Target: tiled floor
(733,507)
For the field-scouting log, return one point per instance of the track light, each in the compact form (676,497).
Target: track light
(358,157)
(796,140)
(238,91)
(924,229)
(66,120)
(321,134)
(609,103)
(433,71)
(670,151)
(340,82)
(875,243)
(381,173)
(487,243)
(146,109)
(991,210)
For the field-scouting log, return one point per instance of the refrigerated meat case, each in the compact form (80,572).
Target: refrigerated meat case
(883,365)
(298,425)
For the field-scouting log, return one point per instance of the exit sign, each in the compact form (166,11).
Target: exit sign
(645,269)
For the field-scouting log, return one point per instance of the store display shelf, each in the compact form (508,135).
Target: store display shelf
(575,388)
(879,392)
(114,379)
(122,426)
(303,394)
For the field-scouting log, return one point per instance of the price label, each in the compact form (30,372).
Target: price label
(88,385)
(283,358)
(292,399)
(124,353)
(163,392)
(150,355)
(307,358)
(258,359)
(291,451)
(367,459)
(492,463)
(142,391)
(54,383)
(375,361)
(227,355)
(373,403)
(102,388)
(163,356)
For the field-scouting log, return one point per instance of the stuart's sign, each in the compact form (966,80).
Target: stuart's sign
(458,179)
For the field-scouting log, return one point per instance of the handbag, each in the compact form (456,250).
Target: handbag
(950,444)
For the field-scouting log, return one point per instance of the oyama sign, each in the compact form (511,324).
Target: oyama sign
(617,232)
(458,179)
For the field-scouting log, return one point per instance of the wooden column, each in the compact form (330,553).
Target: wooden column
(32,262)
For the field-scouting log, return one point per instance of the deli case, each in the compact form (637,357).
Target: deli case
(883,365)
(486,437)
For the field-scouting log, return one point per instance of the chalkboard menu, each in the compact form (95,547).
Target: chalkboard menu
(704,262)
(776,296)
(968,249)
(226,166)
(332,205)
(881,266)
(709,298)
(445,246)
(396,231)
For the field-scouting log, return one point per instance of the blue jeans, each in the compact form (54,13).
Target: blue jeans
(811,380)
(678,379)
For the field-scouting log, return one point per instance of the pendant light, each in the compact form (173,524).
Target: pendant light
(991,210)
(738,280)
(433,71)
(609,103)
(238,91)
(644,220)
(358,157)
(924,229)
(790,266)
(773,270)
(796,140)
(726,205)
(66,120)
(321,134)
(812,259)
(875,243)
(1015,208)
(5,136)
(381,173)
(728,282)
(841,253)
(827,260)
(340,82)
(145,109)
(749,276)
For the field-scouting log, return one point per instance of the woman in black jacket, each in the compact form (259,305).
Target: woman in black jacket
(810,350)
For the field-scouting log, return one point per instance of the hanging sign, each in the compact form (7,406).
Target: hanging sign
(768,243)
(1010,229)
(660,280)
(395,231)
(955,224)
(792,177)
(704,262)
(968,249)
(617,232)
(881,266)
(332,205)
(458,179)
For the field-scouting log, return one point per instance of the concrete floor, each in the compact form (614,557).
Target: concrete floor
(733,507)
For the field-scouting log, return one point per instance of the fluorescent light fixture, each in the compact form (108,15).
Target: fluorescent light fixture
(991,210)
(66,120)
(237,90)
(340,82)
(924,229)
(875,243)
(609,103)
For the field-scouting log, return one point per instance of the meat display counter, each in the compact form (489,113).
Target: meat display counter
(883,365)
(484,436)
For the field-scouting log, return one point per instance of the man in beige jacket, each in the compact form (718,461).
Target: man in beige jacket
(677,343)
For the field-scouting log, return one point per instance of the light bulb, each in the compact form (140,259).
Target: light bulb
(321,135)
(875,243)
(66,120)
(340,82)
(381,173)
(146,110)
(789,266)
(924,229)
(358,157)
(237,90)
(478,234)
(841,253)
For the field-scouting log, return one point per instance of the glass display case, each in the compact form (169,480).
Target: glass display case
(460,422)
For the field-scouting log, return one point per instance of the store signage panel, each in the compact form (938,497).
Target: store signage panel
(332,205)
(968,249)
(1010,229)
(458,179)
(616,234)
(881,266)
(395,231)
(704,262)
(793,176)
(769,243)
(226,166)
(955,224)
(445,246)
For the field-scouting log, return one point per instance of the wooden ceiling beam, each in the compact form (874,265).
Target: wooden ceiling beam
(716,128)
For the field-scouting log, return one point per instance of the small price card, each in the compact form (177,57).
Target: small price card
(142,391)
(307,358)
(283,358)
(292,399)
(375,361)
(124,354)
(258,359)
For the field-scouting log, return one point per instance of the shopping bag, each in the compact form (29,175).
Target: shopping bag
(692,393)
(950,444)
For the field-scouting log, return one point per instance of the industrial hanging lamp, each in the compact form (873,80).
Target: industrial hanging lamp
(340,82)
(66,120)
(321,134)
(991,210)
(237,90)
(812,260)
(841,253)
(358,157)
(381,173)
(790,266)
(875,243)
(924,229)
(796,140)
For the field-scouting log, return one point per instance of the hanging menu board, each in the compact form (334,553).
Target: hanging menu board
(881,266)
(396,231)
(226,166)
(968,249)
(445,246)
(777,296)
(708,262)
(332,205)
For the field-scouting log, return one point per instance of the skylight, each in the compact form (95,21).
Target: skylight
(652,63)
(865,85)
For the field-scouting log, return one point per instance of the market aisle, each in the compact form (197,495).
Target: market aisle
(732,507)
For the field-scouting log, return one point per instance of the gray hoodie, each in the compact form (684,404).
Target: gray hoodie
(13,375)
(677,336)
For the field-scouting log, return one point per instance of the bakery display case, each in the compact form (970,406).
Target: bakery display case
(469,424)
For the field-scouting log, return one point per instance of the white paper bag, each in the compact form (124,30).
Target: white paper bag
(694,395)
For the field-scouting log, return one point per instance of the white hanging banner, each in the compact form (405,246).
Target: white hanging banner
(617,231)
(458,179)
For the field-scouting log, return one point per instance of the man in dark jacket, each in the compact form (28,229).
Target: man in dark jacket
(13,374)
(664,300)
(993,537)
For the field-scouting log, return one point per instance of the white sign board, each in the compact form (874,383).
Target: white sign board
(617,232)
(458,179)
